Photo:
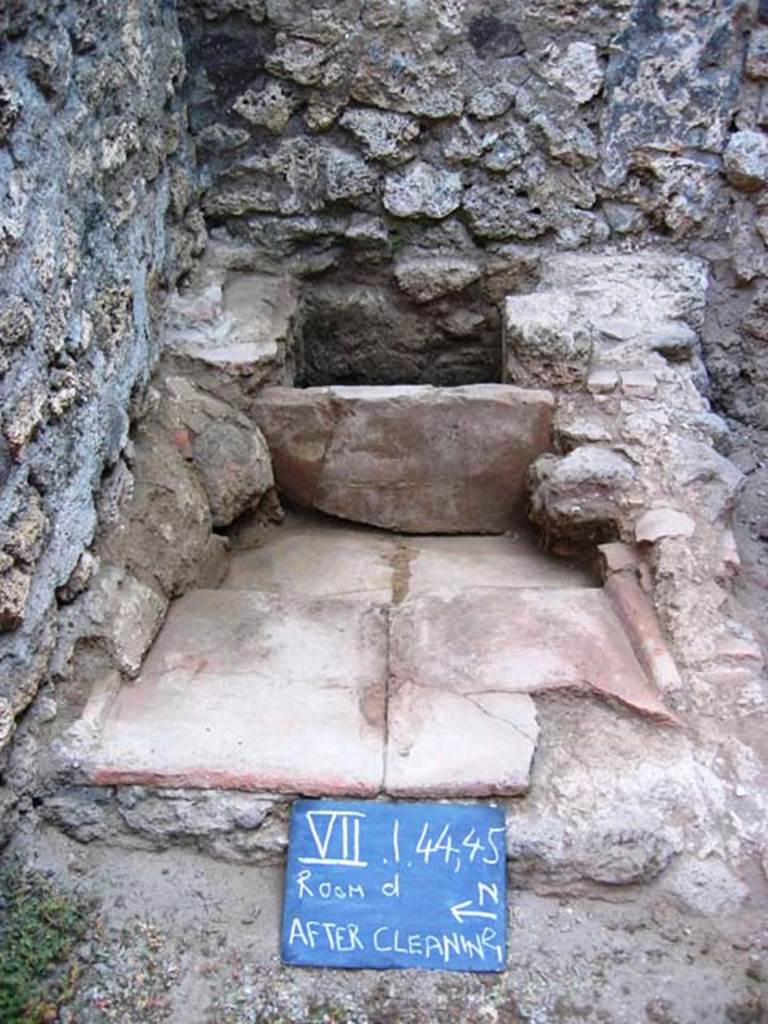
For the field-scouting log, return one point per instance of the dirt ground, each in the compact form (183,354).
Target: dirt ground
(193,941)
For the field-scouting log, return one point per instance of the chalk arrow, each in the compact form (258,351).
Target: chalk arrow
(460,912)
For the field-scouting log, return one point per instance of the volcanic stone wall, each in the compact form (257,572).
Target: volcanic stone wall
(415,161)
(93,200)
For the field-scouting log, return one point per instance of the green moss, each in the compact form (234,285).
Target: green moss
(40,925)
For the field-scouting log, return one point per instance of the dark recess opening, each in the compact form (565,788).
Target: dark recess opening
(368,334)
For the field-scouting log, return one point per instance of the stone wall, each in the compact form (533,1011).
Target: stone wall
(95,226)
(414,162)
(410,163)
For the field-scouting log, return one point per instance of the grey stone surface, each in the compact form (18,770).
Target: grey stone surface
(95,214)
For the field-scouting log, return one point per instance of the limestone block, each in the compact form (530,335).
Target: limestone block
(646,289)
(676,341)
(491,101)
(427,278)
(577,69)
(17,320)
(546,340)
(508,151)
(269,108)
(465,142)
(638,383)
(124,613)
(165,522)
(427,86)
(11,107)
(580,495)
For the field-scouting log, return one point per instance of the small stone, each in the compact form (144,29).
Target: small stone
(22,421)
(25,535)
(571,431)
(509,150)
(323,109)
(757,54)
(497,211)
(78,579)
(7,723)
(491,101)
(270,108)
(602,382)
(663,522)
(464,144)
(638,383)
(10,108)
(301,60)
(422,190)
(347,176)
(235,469)
(16,322)
(462,323)
(407,81)
(746,160)
(427,278)
(365,229)
(617,328)
(579,496)
(48,65)
(15,585)
(571,141)
(623,218)
(222,138)
(384,135)
(578,70)
(676,341)
(125,613)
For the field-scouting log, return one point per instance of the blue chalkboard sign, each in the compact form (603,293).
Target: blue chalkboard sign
(395,885)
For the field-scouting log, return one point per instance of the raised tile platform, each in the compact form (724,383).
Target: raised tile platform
(339,659)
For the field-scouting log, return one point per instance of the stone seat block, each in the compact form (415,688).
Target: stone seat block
(411,458)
